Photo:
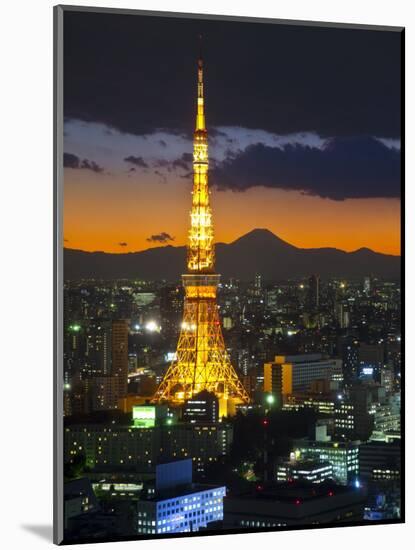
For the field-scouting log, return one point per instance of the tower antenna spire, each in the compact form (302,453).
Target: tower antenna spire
(200,118)
(200,48)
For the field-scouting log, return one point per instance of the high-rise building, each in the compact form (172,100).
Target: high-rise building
(372,356)
(103,392)
(119,348)
(98,347)
(366,285)
(257,291)
(362,397)
(350,356)
(297,372)
(342,314)
(171,307)
(202,360)
(313,294)
(273,381)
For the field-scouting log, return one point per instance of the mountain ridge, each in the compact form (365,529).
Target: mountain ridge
(258,251)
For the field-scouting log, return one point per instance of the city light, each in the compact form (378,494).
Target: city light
(144,416)
(309,374)
(367,371)
(270,399)
(151,326)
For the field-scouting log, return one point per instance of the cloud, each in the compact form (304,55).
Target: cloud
(122,244)
(163,163)
(70,160)
(161,176)
(184,162)
(335,82)
(343,168)
(73,161)
(91,165)
(137,161)
(162,237)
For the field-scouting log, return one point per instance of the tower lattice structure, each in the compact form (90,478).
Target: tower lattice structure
(202,362)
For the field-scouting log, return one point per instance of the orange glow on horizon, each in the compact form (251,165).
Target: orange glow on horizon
(98,217)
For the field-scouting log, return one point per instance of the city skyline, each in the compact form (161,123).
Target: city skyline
(346,194)
(265,372)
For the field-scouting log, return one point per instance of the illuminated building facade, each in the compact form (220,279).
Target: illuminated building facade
(177,505)
(122,447)
(202,360)
(296,373)
(187,511)
(310,471)
(119,343)
(343,456)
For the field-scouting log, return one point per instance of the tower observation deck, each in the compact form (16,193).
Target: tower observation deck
(202,362)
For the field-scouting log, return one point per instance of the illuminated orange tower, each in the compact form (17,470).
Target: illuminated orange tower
(202,362)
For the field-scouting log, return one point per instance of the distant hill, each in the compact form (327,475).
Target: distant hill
(259,251)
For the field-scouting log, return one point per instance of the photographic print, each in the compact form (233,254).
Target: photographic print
(228,275)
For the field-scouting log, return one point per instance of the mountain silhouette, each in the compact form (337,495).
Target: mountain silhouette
(259,251)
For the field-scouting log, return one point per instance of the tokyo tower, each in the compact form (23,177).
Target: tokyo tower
(202,362)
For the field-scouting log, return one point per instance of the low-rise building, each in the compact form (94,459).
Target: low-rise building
(178,505)
(294,504)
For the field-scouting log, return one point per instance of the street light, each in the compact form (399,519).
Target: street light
(270,399)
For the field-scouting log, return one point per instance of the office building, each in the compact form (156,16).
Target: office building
(298,372)
(313,293)
(321,404)
(123,447)
(308,471)
(178,505)
(202,408)
(342,455)
(380,461)
(119,349)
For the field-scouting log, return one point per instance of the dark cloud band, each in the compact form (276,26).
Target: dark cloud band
(345,168)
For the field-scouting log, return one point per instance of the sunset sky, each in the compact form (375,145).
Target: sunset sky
(304,132)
